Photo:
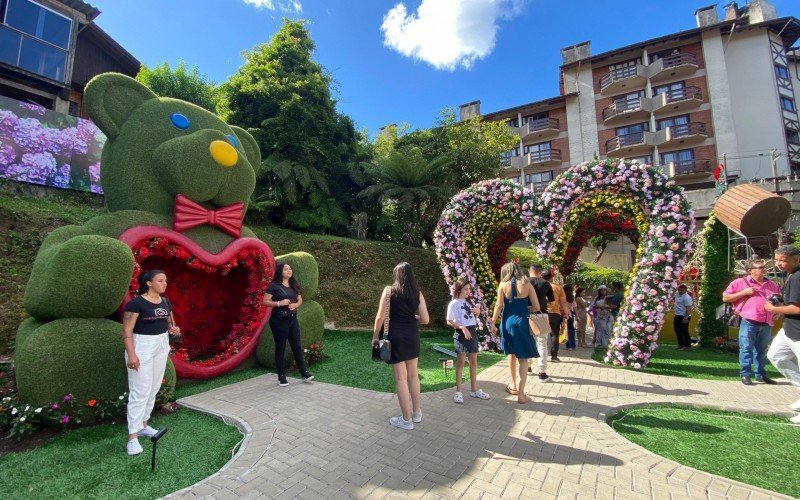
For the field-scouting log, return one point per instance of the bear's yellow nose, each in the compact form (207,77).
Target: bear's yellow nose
(223,153)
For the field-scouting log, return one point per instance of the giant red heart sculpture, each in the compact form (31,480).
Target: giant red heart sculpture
(216,298)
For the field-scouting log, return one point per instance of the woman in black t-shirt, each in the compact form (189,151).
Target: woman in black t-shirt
(283,295)
(145,326)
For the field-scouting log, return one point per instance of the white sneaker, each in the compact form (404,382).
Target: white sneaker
(148,432)
(795,406)
(795,420)
(401,423)
(416,417)
(133,447)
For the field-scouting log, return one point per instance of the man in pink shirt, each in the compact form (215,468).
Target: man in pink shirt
(748,295)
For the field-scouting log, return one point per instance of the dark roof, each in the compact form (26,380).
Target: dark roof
(103,40)
(548,101)
(84,8)
(787,27)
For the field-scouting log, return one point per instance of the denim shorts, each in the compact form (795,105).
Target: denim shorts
(464,346)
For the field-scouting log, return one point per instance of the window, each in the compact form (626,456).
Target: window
(626,64)
(536,116)
(513,123)
(73,108)
(781,72)
(35,38)
(632,100)
(633,129)
(787,104)
(536,148)
(676,86)
(672,121)
(678,157)
(505,158)
(792,136)
(538,178)
(648,159)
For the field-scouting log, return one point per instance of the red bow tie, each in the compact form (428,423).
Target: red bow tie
(188,214)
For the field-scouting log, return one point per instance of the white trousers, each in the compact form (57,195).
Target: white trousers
(144,383)
(542,345)
(784,353)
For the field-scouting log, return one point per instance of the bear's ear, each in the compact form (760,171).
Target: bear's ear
(110,98)
(250,146)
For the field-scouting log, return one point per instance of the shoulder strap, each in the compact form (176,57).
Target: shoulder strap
(388,301)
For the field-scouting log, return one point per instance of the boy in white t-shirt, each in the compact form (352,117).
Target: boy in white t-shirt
(461,316)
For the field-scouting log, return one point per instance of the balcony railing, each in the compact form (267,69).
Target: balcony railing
(31,54)
(541,124)
(689,167)
(623,107)
(617,75)
(544,155)
(685,130)
(627,140)
(680,59)
(677,95)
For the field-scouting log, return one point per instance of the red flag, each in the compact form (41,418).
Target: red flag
(718,171)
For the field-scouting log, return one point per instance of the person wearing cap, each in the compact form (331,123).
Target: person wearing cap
(683,310)
(603,320)
(748,295)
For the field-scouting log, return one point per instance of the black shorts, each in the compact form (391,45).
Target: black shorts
(464,346)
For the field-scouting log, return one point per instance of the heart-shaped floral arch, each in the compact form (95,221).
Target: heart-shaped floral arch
(637,193)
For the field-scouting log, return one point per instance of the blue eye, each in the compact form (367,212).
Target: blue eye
(179,120)
(232,140)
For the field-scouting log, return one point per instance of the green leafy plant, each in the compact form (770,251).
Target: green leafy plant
(716,276)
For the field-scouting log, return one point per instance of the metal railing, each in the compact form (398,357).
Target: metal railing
(621,106)
(680,59)
(618,74)
(544,155)
(622,141)
(686,129)
(683,94)
(693,166)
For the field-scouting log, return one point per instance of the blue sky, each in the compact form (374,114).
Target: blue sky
(396,62)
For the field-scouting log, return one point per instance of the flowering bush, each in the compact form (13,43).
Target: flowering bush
(502,202)
(486,253)
(661,256)
(498,248)
(210,333)
(52,149)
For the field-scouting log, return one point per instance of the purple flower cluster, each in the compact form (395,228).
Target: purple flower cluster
(450,236)
(665,246)
(32,150)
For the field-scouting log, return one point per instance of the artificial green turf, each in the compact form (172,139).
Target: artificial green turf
(701,362)
(348,362)
(760,450)
(91,462)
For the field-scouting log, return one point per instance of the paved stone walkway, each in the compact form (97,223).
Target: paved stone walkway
(326,441)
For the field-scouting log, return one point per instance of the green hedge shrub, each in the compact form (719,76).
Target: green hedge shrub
(312,325)
(306,271)
(79,356)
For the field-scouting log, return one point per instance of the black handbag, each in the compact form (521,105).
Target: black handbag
(382,349)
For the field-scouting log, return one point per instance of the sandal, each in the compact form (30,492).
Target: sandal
(458,398)
(511,390)
(480,395)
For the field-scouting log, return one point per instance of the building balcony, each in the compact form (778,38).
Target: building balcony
(679,135)
(539,129)
(629,109)
(545,158)
(638,142)
(623,79)
(699,167)
(673,66)
(675,101)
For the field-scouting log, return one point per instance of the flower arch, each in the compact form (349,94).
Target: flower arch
(663,218)
(472,219)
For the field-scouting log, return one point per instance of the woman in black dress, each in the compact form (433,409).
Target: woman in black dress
(283,294)
(406,308)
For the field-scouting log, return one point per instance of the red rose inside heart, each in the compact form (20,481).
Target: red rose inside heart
(204,298)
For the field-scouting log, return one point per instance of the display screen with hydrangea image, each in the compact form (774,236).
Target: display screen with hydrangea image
(40,146)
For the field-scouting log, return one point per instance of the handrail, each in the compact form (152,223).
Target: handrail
(619,107)
(680,59)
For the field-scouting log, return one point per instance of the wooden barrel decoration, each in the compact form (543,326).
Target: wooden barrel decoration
(751,210)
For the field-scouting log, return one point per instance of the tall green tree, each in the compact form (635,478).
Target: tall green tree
(412,192)
(309,177)
(180,83)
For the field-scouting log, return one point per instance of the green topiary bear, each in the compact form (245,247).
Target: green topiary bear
(177,180)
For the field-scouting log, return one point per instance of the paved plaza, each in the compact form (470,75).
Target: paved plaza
(327,441)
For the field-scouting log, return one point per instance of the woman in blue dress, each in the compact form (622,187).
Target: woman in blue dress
(514,295)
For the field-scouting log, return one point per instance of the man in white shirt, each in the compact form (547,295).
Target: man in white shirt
(683,311)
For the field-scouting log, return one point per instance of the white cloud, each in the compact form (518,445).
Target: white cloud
(287,6)
(447,33)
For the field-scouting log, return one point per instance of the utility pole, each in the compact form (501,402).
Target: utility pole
(774,161)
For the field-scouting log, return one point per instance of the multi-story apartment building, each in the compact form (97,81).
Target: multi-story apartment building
(50,49)
(724,92)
